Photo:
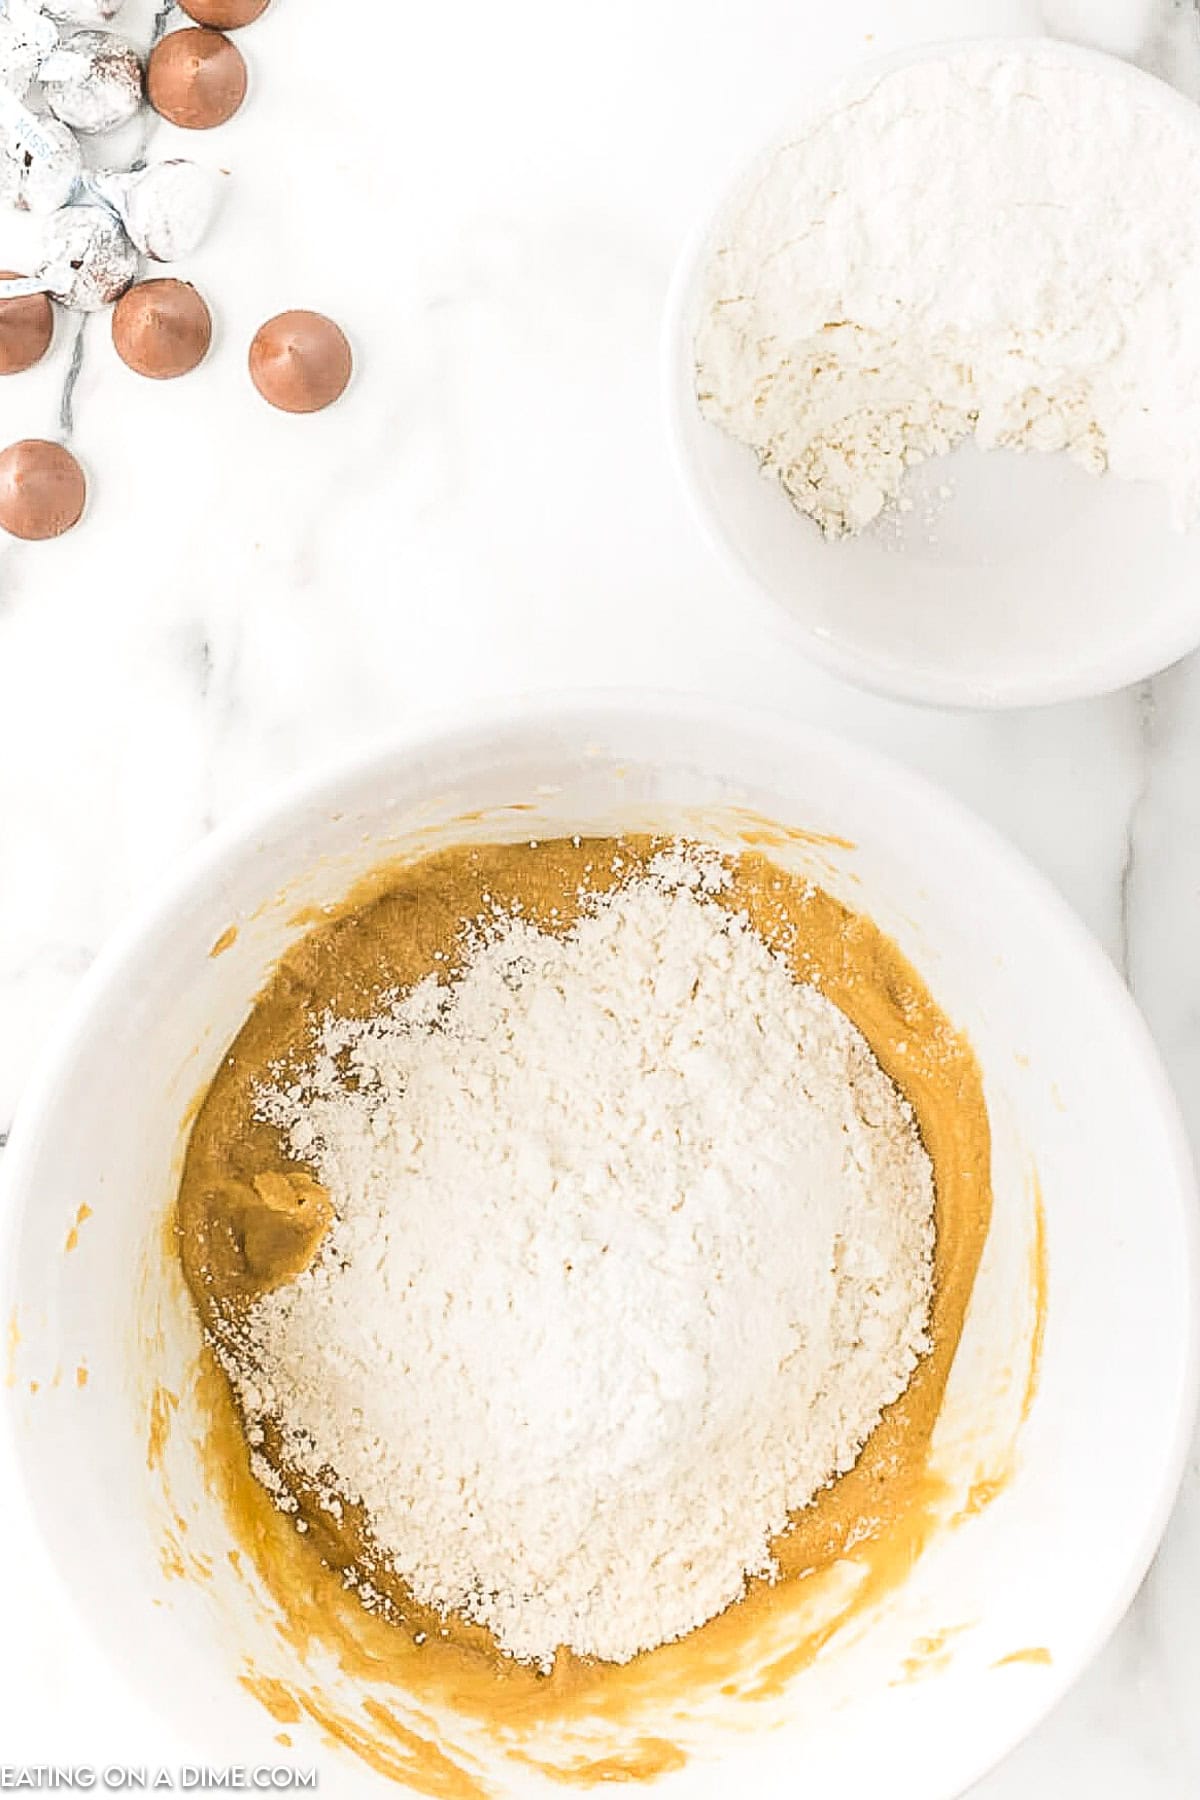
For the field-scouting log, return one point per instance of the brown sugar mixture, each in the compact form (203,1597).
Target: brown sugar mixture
(251,1217)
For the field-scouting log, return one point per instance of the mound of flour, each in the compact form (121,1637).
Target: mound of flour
(633,1243)
(999,244)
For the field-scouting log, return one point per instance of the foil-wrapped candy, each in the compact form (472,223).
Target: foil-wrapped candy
(27,38)
(166,208)
(93,81)
(40,161)
(83,12)
(87,261)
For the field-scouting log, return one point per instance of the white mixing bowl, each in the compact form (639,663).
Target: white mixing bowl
(1039,582)
(1002,1611)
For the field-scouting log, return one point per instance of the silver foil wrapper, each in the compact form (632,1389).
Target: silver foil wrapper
(83,12)
(87,259)
(93,81)
(40,161)
(166,208)
(42,172)
(27,38)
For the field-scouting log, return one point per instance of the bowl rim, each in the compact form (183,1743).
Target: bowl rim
(909,682)
(476,723)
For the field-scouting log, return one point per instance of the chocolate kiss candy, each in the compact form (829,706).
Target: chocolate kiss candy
(42,489)
(225,15)
(162,329)
(196,78)
(300,362)
(26,328)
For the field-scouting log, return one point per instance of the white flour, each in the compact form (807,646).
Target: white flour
(998,243)
(633,1243)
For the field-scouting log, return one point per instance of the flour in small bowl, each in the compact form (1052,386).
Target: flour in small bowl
(998,243)
(632,1244)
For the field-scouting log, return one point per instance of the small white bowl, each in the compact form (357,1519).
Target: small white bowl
(1045,583)
(1018,1595)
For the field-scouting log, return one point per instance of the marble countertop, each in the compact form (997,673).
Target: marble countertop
(491,201)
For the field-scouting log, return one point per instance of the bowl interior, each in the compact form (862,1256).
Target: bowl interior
(922,1694)
(1012,579)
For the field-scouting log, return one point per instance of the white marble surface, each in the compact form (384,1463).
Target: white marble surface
(492,208)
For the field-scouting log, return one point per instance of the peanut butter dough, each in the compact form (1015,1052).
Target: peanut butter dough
(249,1218)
